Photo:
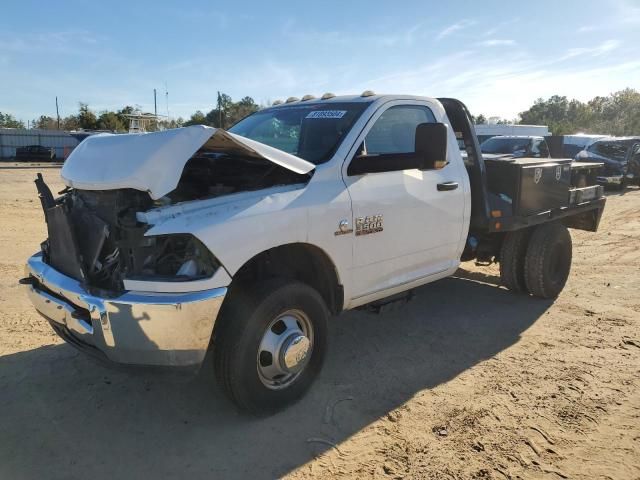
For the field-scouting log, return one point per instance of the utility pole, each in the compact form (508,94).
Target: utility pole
(166,97)
(57,112)
(155,103)
(220,111)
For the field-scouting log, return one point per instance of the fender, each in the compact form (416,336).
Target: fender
(239,227)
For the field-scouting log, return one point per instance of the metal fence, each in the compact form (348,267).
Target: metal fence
(11,138)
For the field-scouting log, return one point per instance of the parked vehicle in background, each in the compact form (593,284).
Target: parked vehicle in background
(37,144)
(35,153)
(573,144)
(568,146)
(246,241)
(621,158)
(516,146)
(486,131)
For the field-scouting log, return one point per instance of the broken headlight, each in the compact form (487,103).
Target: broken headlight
(176,257)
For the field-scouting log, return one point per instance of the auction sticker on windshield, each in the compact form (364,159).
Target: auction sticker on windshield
(326,114)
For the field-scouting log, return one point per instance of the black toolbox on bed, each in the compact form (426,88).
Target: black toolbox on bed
(531,185)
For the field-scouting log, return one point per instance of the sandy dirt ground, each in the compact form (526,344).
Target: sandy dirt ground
(466,381)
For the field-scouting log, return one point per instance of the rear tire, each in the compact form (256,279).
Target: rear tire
(512,259)
(254,374)
(548,260)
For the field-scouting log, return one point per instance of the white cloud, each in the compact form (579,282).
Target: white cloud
(510,84)
(451,29)
(497,27)
(496,42)
(605,47)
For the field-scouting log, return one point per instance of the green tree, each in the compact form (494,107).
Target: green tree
(213,117)
(9,121)
(45,122)
(122,115)
(198,118)
(219,117)
(231,112)
(111,121)
(619,113)
(172,123)
(70,123)
(615,114)
(239,110)
(86,118)
(480,120)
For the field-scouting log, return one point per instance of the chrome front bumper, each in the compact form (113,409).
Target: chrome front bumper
(137,328)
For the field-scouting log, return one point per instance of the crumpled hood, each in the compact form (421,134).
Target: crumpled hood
(153,162)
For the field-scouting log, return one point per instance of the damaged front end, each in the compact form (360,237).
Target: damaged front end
(79,281)
(106,285)
(94,237)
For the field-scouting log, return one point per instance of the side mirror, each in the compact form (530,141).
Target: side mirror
(431,145)
(430,153)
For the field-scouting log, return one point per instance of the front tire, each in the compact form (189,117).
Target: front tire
(548,261)
(270,344)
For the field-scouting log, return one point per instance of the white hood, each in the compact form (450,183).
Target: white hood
(153,162)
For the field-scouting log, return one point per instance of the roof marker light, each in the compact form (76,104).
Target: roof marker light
(367,93)
(277,102)
(307,97)
(327,96)
(291,100)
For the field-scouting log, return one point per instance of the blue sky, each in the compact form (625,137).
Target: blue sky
(497,57)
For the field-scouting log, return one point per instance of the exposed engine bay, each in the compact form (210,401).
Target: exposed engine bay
(209,174)
(94,235)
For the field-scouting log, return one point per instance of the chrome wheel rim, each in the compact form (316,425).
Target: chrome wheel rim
(285,349)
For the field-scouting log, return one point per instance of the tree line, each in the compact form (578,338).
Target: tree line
(226,113)
(616,114)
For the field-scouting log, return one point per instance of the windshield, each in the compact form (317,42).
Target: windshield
(504,145)
(312,132)
(613,150)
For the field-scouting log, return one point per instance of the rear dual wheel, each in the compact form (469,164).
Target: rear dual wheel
(548,260)
(512,258)
(537,260)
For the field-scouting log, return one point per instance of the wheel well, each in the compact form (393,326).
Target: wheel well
(300,261)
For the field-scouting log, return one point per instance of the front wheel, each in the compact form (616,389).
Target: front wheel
(270,344)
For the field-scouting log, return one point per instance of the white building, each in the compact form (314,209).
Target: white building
(485,131)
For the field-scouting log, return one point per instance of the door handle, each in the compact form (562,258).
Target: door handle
(443,187)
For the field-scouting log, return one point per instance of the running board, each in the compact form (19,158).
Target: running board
(389,304)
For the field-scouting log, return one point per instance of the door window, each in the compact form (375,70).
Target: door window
(395,130)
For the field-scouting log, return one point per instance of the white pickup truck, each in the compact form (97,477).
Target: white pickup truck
(166,245)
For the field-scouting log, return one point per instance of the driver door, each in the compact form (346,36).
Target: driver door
(407,225)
